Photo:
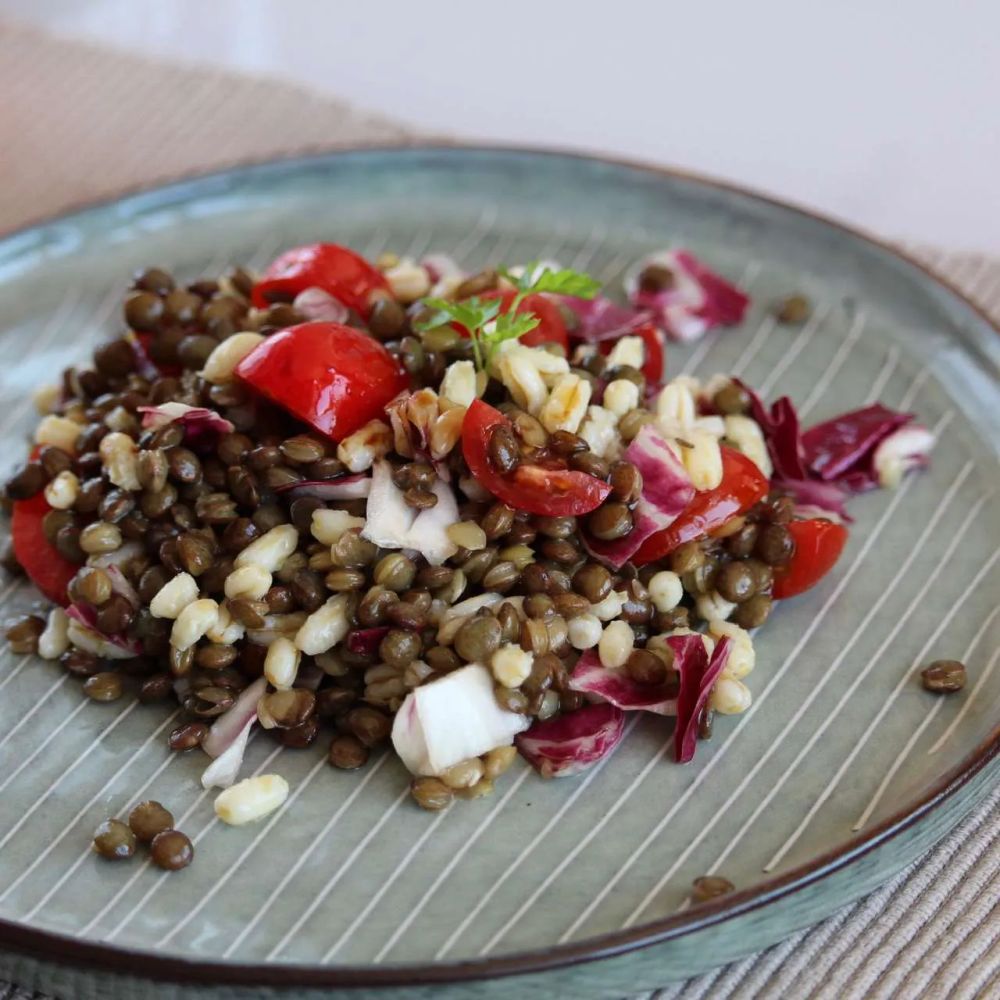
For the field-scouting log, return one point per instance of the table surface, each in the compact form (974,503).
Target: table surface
(881,113)
(934,930)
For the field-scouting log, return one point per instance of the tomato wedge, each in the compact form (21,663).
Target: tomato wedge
(332,376)
(551,327)
(743,484)
(818,544)
(537,489)
(49,571)
(652,340)
(341,272)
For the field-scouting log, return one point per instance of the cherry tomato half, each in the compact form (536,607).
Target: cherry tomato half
(551,327)
(818,545)
(341,272)
(743,484)
(332,376)
(551,492)
(49,571)
(652,340)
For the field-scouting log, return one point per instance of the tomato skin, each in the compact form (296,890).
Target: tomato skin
(818,545)
(331,376)
(652,339)
(49,571)
(341,272)
(743,484)
(551,327)
(533,488)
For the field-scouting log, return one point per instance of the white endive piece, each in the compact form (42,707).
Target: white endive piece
(393,524)
(225,769)
(451,720)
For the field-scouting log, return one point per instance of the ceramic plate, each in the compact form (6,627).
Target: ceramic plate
(842,770)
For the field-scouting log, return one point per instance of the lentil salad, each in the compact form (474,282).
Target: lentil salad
(394,502)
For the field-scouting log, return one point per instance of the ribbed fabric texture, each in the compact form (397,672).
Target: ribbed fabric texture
(80,123)
(934,931)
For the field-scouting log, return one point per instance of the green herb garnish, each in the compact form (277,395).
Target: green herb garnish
(488,327)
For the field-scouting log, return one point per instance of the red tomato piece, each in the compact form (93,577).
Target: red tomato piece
(331,376)
(652,340)
(551,325)
(743,484)
(818,545)
(342,273)
(49,571)
(551,492)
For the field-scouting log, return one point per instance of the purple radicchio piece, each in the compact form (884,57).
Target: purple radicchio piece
(619,689)
(695,301)
(569,744)
(698,673)
(353,487)
(198,422)
(600,318)
(842,448)
(666,492)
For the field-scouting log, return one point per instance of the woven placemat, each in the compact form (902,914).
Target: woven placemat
(934,931)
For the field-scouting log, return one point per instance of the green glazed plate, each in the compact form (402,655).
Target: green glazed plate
(842,771)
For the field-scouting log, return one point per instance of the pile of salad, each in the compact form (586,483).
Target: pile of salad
(467,515)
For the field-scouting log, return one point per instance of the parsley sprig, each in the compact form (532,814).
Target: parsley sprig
(488,327)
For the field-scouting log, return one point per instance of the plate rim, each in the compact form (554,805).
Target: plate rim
(61,949)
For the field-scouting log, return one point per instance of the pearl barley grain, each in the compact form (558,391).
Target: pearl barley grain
(174,596)
(270,551)
(616,644)
(251,582)
(220,366)
(511,665)
(584,631)
(729,697)
(666,590)
(193,622)
(58,431)
(251,799)
(281,664)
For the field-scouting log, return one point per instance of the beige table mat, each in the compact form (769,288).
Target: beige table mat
(934,931)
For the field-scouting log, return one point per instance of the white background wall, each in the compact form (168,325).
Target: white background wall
(884,113)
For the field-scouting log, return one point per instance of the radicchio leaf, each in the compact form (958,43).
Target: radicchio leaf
(366,640)
(696,301)
(825,499)
(904,449)
(225,769)
(452,719)
(393,524)
(619,689)
(780,427)
(601,319)
(440,265)
(318,304)
(569,744)
(666,492)
(841,447)
(353,487)
(85,634)
(228,726)
(121,586)
(412,416)
(698,673)
(198,422)
(119,557)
